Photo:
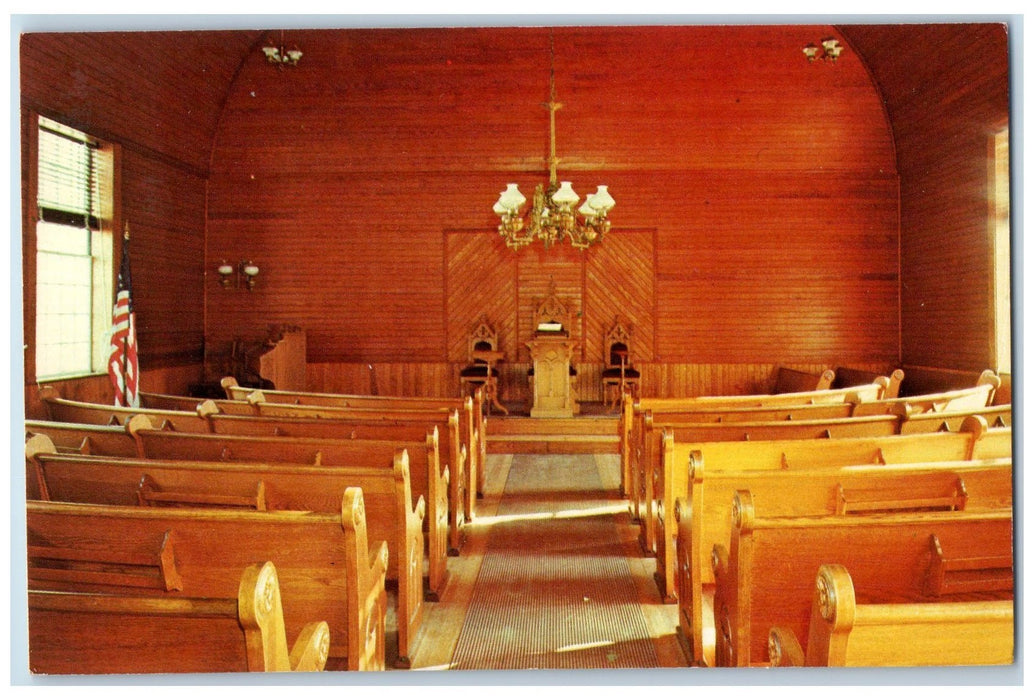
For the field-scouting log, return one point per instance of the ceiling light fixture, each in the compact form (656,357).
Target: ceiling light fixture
(552,216)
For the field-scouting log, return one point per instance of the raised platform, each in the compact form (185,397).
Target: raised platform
(591,432)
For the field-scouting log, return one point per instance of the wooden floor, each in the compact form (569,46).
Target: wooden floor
(444,619)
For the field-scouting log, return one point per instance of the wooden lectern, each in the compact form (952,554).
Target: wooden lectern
(551,352)
(551,355)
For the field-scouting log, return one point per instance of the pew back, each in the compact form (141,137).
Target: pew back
(97,633)
(704,518)
(390,513)
(762,578)
(324,566)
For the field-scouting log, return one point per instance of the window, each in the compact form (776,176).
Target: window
(1000,230)
(74,269)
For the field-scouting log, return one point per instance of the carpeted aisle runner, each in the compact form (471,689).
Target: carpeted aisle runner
(554,590)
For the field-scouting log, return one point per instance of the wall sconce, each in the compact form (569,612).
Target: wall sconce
(830,51)
(242,275)
(280,56)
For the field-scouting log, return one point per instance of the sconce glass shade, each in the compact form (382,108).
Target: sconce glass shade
(251,270)
(811,51)
(225,269)
(294,55)
(272,52)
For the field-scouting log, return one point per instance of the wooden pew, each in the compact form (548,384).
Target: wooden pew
(95,633)
(704,518)
(683,465)
(325,570)
(634,409)
(650,483)
(80,438)
(463,474)
(843,632)
(975,397)
(431,479)
(762,578)
(945,421)
(789,380)
(330,442)
(847,376)
(191,420)
(473,421)
(462,440)
(472,414)
(391,514)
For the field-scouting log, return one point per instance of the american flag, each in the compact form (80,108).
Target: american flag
(123,368)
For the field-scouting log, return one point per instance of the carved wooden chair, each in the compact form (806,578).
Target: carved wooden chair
(618,371)
(482,355)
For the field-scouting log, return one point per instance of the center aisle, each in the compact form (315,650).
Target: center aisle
(555,589)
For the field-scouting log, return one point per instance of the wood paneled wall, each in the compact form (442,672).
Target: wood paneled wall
(947,91)
(157,96)
(769,187)
(362,183)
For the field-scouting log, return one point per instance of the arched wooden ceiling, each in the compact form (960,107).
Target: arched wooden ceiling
(198,69)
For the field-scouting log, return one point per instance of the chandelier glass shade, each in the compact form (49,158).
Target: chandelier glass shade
(554,214)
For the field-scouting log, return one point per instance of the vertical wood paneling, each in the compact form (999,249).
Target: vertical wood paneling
(947,89)
(157,97)
(771,185)
(775,226)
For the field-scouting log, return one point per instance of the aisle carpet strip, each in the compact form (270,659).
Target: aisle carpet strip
(555,590)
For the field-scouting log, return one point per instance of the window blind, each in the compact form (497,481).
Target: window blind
(67,188)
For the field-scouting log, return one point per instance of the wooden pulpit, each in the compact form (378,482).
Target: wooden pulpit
(552,396)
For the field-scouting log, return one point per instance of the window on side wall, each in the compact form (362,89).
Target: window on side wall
(1001,231)
(74,253)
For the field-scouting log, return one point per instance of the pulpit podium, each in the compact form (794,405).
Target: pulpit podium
(551,356)
(551,353)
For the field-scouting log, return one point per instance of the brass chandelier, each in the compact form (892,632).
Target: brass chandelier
(552,216)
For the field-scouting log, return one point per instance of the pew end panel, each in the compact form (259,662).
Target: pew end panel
(760,579)
(844,632)
(101,633)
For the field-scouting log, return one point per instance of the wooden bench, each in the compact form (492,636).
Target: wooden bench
(683,464)
(765,577)
(650,483)
(391,514)
(975,397)
(704,518)
(331,442)
(324,567)
(190,420)
(80,438)
(473,420)
(634,409)
(463,474)
(945,421)
(473,424)
(789,380)
(140,439)
(843,632)
(95,633)
(465,446)
(848,376)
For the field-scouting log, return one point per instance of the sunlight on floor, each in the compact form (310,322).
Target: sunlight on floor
(610,509)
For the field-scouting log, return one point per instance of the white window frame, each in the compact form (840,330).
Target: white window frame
(66,346)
